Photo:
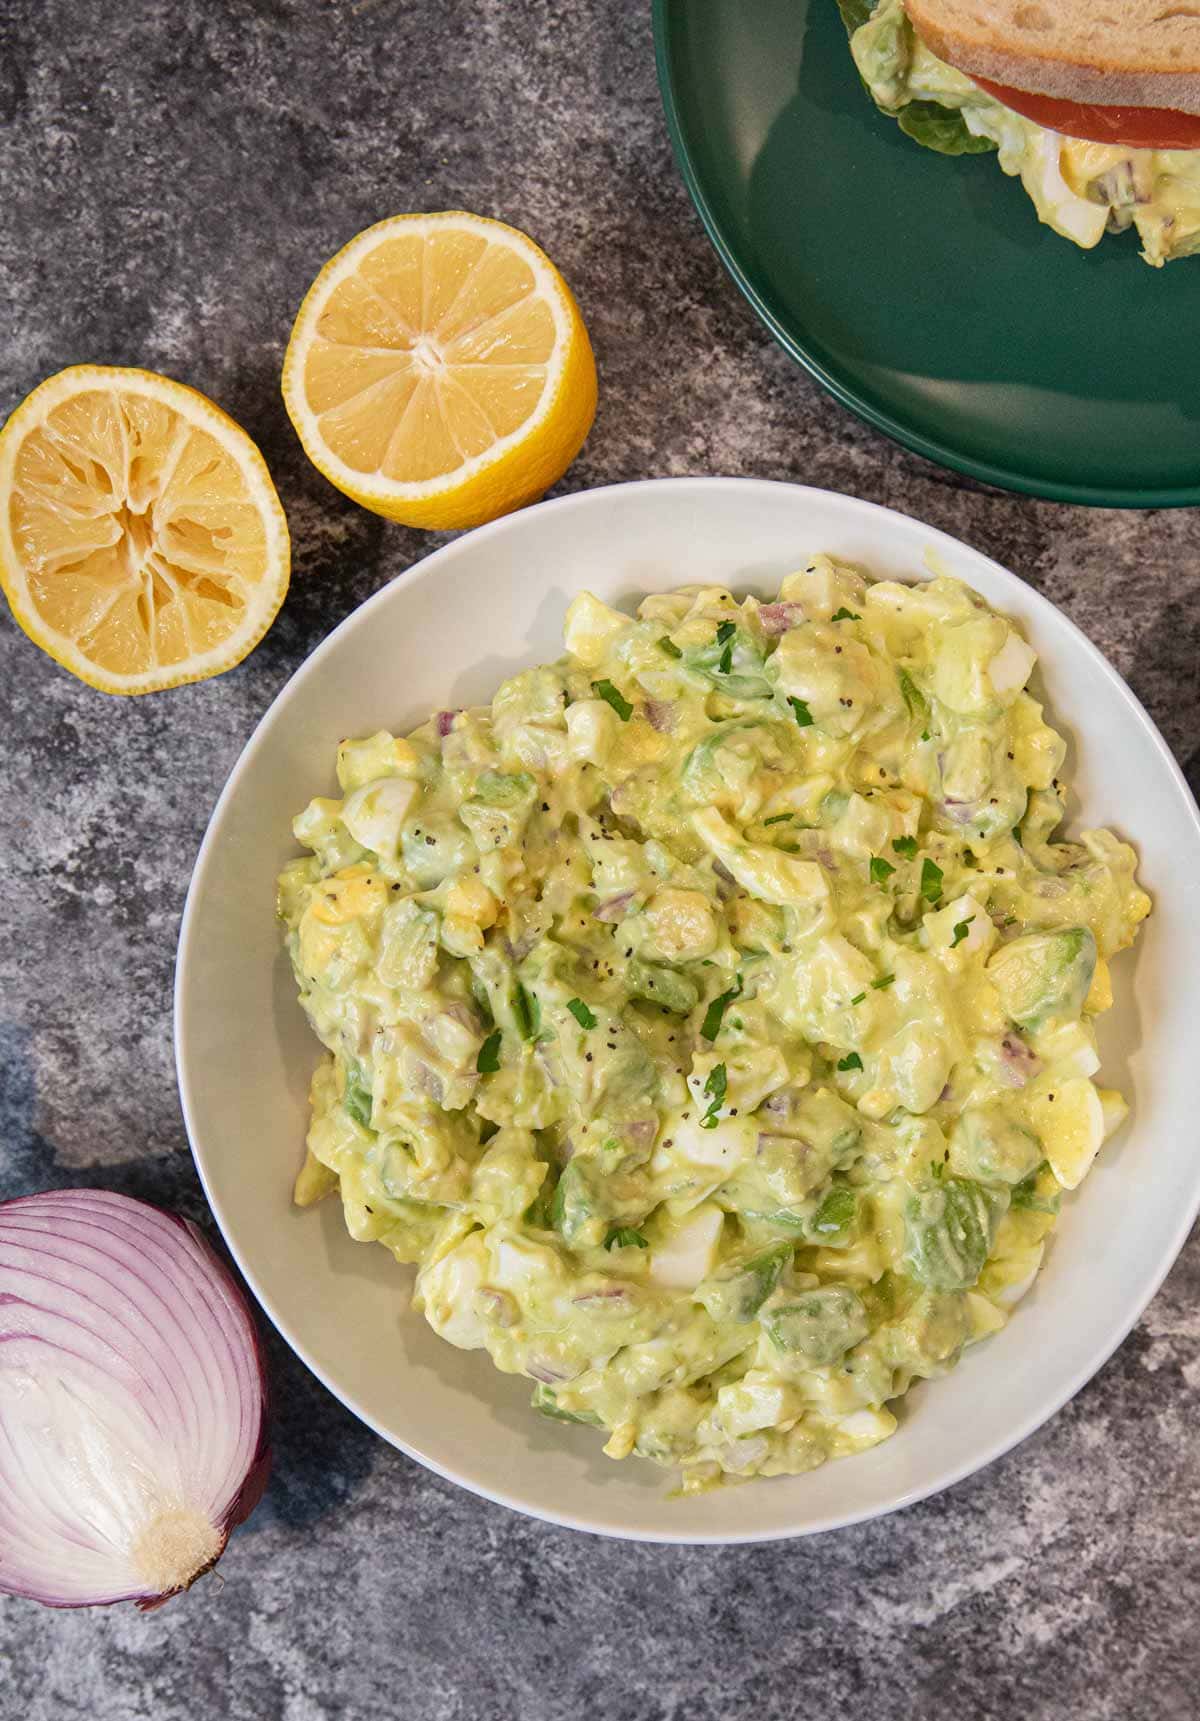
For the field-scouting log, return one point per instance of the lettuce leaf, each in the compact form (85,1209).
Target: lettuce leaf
(927,123)
(943,129)
(855,12)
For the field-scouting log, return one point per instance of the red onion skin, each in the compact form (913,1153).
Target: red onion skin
(254,1485)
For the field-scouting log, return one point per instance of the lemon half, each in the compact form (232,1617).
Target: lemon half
(439,371)
(142,543)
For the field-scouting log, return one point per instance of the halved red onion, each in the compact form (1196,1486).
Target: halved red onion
(133,1401)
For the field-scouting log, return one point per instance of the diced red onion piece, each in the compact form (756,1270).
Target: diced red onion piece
(614,907)
(780,1103)
(133,1401)
(428,1081)
(610,1299)
(778,618)
(497,1306)
(549,1373)
(1019,1063)
(445,722)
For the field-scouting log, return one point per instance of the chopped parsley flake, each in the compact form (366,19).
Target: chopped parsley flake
(581,1013)
(913,697)
(357,1099)
(931,880)
(845,615)
(621,1237)
(488,1061)
(715,1087)
(880,870)
(960,932)
(714,1015)
(606,691)
(851,1061)
(906,846)
(803,715)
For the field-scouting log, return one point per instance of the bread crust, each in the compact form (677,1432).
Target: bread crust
(985,48)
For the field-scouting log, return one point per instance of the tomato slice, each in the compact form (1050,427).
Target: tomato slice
(1137,128)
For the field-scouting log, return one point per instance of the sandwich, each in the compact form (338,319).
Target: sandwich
(1096,109)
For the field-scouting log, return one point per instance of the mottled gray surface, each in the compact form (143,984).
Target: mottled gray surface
(171,176)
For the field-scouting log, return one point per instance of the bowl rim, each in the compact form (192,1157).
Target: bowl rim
(425,568)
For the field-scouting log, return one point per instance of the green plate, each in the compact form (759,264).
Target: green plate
(921,289)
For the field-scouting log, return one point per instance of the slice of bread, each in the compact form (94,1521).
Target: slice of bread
(1120,53)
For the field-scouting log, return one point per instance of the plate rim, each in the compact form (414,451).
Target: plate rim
(930,448)
(275,1310)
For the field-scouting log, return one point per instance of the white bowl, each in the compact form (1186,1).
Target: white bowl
(447,633)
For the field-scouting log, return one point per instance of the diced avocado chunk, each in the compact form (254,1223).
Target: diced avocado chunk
(992,1147)
(728,758)
(833,1220)
(662,986)
(501,789)
(950,1225)
(732,663)
(1040,1192)
(574,1207)
(357,1097)
(820,1325)
(497,812)
(1044,975)
(737,1293)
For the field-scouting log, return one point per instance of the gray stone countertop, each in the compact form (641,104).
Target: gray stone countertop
(172,173)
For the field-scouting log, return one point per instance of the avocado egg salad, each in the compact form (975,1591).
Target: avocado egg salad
(1080,189)
(710,1018)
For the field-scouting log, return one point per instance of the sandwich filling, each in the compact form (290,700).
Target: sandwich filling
(1082,189)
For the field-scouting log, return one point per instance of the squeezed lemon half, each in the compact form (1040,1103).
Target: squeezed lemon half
(142,542)
(439,371)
